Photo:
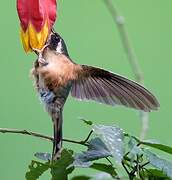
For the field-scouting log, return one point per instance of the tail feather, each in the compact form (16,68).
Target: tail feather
(57,143)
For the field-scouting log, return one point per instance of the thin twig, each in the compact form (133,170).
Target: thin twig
(88,137)
(143,165)
(35,134)
(120,22)
(25,132)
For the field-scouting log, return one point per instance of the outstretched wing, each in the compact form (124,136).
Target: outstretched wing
(105,87)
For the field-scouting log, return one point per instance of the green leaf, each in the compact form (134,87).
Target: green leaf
(90,123)
(80,161)
(133,149)
(81,178)
(161,164)
(132,143)
(96,150)
(109,169)
(97,145)
(62,167)
(159,146)
(101,176)
(155,173)
(36,169)
(113,139)
(43,156)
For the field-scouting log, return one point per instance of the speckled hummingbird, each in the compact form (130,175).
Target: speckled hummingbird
(56,76)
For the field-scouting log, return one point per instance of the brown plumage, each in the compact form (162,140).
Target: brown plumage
(56,75)
(59,69)
(112,89)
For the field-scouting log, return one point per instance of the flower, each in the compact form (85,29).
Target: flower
(37,18)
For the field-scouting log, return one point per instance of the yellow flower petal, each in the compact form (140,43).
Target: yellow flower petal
(25,40)
(33,39)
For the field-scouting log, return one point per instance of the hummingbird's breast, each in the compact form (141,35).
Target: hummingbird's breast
(59,70)
(54,80)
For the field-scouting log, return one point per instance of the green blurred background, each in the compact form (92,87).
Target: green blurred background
(92,38)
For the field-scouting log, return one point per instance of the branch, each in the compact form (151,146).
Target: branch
(35,134)
(132,58)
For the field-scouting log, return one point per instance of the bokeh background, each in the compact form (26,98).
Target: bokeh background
(92,38)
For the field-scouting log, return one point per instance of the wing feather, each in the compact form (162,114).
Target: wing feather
(105,87)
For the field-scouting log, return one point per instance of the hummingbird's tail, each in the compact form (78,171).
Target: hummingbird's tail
(57,143)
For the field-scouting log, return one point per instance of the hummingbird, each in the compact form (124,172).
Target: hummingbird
(56,75)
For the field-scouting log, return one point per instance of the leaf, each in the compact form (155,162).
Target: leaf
(87,121)
(157,145)
(109,169)
(161,164)
(36,170)
(132,143)
(62,167)
(113,139)
(98,145)
(96,150)
(154,173)
(43,156)
(134,149)
(81,162)
(81,178)
(101,176)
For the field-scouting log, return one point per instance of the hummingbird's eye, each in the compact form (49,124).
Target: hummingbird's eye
(55,42)
(57,39)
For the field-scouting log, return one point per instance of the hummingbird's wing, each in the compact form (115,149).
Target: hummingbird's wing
(105,87)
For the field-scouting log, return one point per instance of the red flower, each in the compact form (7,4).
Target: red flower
(36,19)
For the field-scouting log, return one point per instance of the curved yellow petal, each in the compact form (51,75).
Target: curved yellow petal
(33,39)
(25,40)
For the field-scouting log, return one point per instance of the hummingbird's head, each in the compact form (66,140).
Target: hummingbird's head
(57,44)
